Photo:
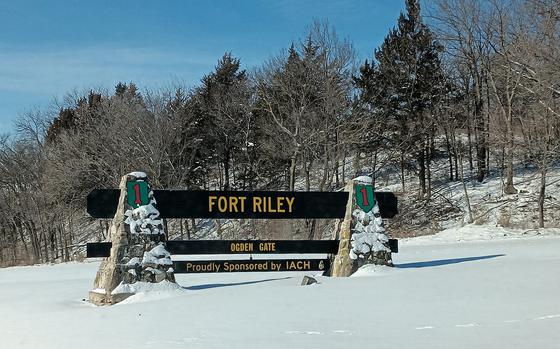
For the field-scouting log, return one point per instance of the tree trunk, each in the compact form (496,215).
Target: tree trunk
(336,173)
(462,178)
(325,175)
(374,175)
(226,169)
(337,161)
(541,197)
(450,155)
(166,228)
(312,229)
(356,163)
(402,170)
(509,187)
(45,247)
(429,151)
(422,171)
(293,165)
(193,228)
(344,167)
(480,132)
(307,175)
(471,166)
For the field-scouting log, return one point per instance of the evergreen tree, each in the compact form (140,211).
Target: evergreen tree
(223,106)
(403,84)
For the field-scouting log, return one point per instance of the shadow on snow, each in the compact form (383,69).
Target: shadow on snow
(207,286)
(439,262)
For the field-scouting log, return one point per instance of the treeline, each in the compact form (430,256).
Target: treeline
(469,83)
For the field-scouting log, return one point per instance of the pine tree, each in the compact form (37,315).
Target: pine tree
(403,84)
(223,102)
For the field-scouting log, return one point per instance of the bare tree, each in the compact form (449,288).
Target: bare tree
(461,25)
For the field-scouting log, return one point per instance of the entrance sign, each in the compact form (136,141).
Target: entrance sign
(364,197)
(102,203)
(251,265)
(109,203)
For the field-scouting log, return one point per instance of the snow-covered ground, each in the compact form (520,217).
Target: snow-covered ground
(494,291)
(490,206)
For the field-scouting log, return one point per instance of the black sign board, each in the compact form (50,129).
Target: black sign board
(252,246)
(102,203)
(197,247)
(251,265)
(98,249)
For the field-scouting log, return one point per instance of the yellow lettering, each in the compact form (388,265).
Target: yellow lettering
(279,204)
(242,201)
(222,204)
(270,209)
(257,202)
(211,202)
(267,246)
(233,204)
(290,202)
(242,247)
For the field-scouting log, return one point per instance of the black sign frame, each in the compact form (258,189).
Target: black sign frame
(251,265)
(102,203)
(203,247)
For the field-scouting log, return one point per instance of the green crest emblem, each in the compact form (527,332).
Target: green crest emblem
(137,193)
(364,196)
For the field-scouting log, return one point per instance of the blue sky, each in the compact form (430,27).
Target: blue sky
(49,48)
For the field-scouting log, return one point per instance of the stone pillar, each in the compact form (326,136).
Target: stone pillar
(362,236)
(343,265)
(138,251)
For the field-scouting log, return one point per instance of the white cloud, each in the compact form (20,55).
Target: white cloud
(55,72)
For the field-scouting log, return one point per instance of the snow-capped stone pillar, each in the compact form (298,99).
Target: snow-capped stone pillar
(138,251)
(362,236)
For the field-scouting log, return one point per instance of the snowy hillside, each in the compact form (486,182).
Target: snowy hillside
(491,208)
(499,293)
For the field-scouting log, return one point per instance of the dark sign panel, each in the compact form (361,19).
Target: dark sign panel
(196,247)
(102,203)
(98,249)
(251,265)
(252,246)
